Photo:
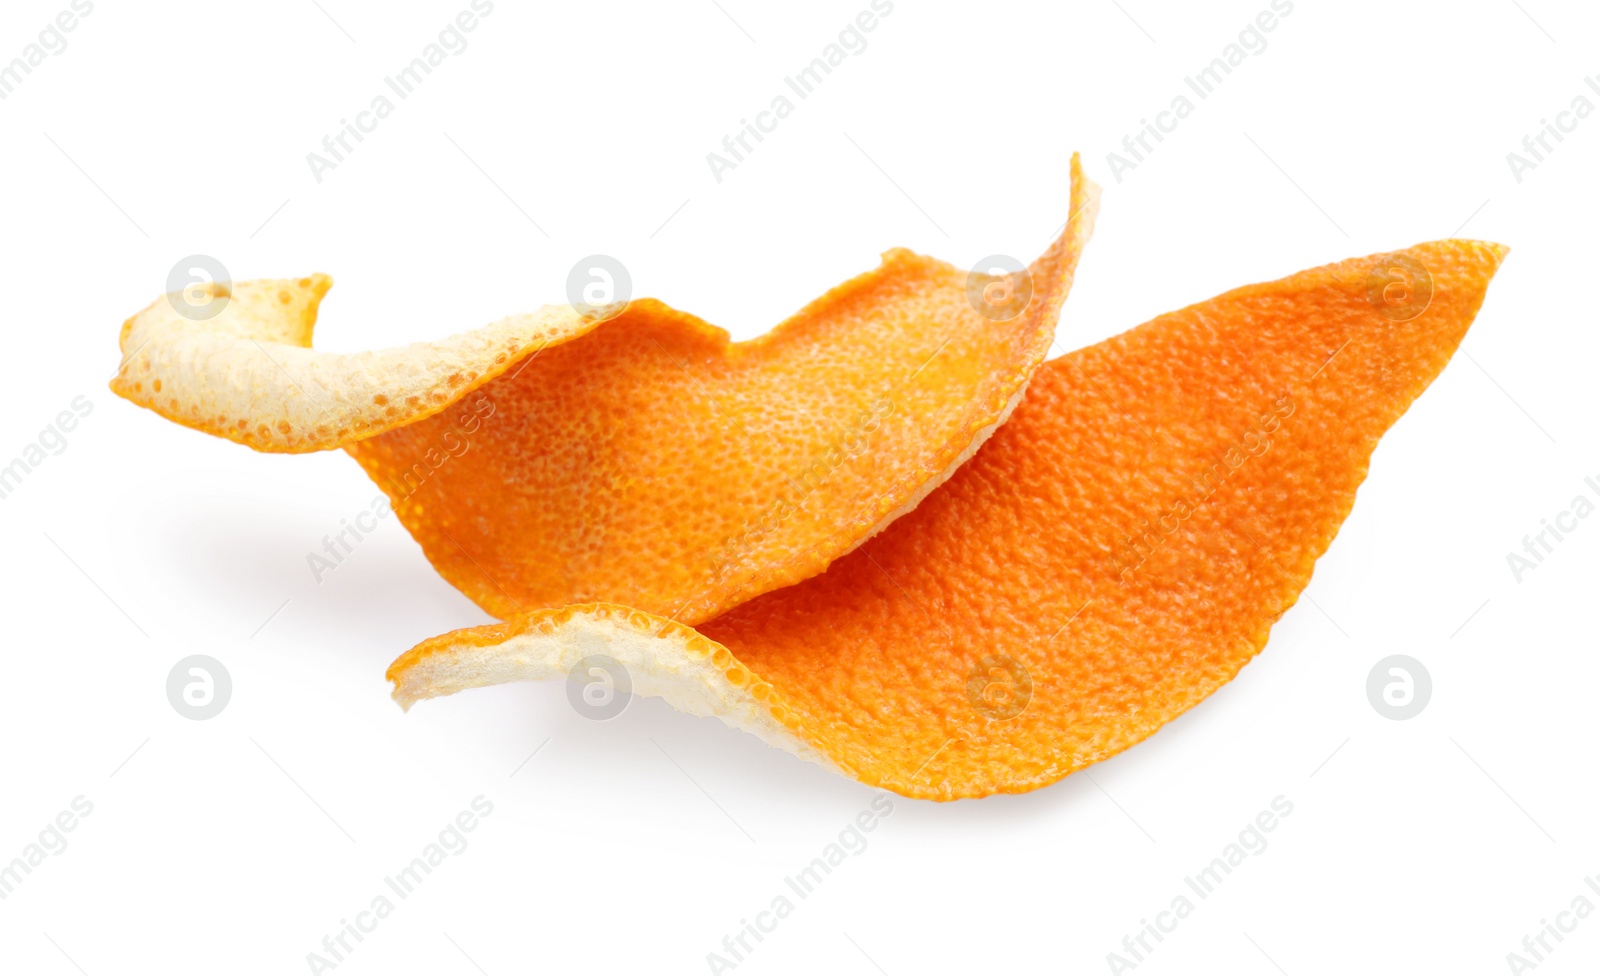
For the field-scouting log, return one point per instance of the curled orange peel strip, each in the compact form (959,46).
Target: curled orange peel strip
(1113,555)
(248,372)
(650,462)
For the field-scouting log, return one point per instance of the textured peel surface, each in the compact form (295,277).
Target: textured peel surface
(642,459)
(656,464)
(1115,553)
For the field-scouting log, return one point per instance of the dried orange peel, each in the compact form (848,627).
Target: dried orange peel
(248,373)
(650,462)
(1113,555)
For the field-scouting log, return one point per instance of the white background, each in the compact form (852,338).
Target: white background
(234,845)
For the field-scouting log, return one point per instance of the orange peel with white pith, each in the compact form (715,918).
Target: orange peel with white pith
(645,459)
(1113,555)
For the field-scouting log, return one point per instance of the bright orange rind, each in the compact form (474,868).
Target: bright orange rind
(1112,556)
(645,459)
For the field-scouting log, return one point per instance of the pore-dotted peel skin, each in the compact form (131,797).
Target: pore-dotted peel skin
(656,464)
(1111,556)
(555,459)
